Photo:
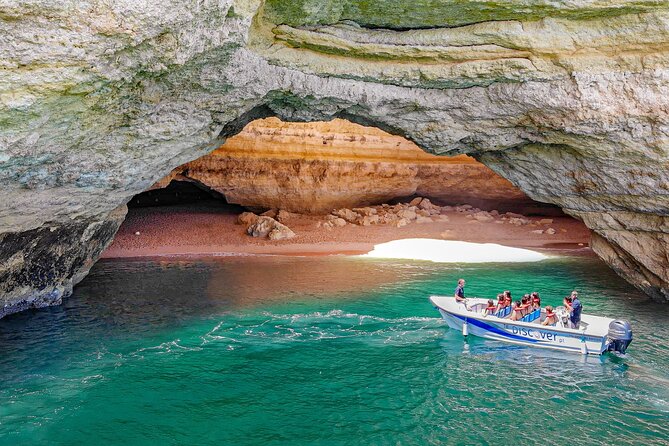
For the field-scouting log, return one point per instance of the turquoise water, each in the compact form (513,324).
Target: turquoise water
(331,351)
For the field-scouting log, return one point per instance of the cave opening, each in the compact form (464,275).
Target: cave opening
(325,181)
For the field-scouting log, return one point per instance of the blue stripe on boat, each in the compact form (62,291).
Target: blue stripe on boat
(493,329)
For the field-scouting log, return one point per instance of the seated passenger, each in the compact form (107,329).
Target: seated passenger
(525,305)
(551,318)
(507,296)
(501,302)
(490,309)
(536,301)
(516,314)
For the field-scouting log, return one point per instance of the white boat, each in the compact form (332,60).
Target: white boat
(594,336)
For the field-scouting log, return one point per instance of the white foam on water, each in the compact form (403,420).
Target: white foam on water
(450,251)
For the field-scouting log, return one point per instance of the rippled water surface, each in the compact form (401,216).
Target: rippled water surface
(321,351)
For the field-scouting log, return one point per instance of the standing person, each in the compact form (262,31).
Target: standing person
(460,291)
(575,310)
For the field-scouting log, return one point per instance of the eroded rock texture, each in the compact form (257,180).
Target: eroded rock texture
(313,168)
(100,99)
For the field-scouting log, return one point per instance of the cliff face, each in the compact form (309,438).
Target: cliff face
(313,168)
(567,100)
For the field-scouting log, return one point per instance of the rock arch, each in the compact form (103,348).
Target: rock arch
(120,94)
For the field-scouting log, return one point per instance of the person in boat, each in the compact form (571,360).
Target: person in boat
(567,305)
(525,305)
(516,314)
(507,298)
(575,310)
(536,300)
(491,309)
(460,291)
(551,318)
(501,302)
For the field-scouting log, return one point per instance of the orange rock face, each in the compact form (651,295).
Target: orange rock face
(316,167)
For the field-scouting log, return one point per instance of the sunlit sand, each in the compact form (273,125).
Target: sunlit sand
(449,251)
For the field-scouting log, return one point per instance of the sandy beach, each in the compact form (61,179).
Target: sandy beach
(211,229)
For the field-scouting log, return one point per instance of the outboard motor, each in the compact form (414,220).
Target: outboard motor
(620,336)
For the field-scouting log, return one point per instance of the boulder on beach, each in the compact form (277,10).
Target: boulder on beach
(281,232)
(247,218)
(269,227)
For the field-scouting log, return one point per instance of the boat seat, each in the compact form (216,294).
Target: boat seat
(536,314)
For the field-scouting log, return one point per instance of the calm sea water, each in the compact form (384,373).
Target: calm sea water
(331,351)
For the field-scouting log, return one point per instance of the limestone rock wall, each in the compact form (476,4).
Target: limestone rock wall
(313,168)
(100,99)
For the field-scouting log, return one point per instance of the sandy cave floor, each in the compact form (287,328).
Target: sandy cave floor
(210,228)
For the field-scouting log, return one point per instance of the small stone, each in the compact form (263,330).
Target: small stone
(284,216)
(425,204)
(519,221)
(423,212)
(494,213)
(370,220)
(416,201)
(347,215)
(550,231)
(483,217)
(407,214)
(271,213)
(339,222)
(401,222)
(537,231)
(546,221)
(137,233)
(365,211)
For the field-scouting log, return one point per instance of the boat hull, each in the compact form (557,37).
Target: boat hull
(523,333)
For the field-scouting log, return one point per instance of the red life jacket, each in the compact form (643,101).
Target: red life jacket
(492,309)
(517,309)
